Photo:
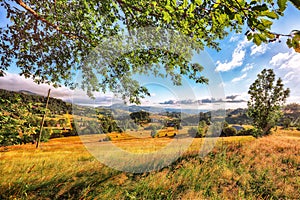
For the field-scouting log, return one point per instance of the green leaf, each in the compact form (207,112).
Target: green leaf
(256,39)
(266,23)
(253,2)
(271,15)
(289,43)
(185,3)
(198,2)
(262,7)
(238,18)
(154,3)
(166,16)
(169,8)
(282,4)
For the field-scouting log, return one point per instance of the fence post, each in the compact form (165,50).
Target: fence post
(43,120)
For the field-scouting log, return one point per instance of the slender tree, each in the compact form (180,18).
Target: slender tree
(267,96)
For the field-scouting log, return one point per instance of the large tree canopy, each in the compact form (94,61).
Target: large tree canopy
(50,40)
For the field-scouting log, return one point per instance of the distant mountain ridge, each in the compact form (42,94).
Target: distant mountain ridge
(28,92)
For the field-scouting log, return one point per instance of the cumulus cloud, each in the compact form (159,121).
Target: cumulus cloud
(287,66)
(288,60)
(237,60)
(289,76)
(247,67)
(257,50)
(237,79)
(15,82)
(234,38)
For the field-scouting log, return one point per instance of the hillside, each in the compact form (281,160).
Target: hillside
(56,106)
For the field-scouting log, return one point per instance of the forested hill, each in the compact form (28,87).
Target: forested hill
(56,106)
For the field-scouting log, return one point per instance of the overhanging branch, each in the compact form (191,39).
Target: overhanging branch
(40,18)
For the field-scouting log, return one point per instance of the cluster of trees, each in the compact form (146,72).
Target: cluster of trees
(221,129)
(267,97)
(17,123)
(291,117)
(103,124)
(140,117)
(20,117)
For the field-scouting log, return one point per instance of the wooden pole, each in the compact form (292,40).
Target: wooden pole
(43,120)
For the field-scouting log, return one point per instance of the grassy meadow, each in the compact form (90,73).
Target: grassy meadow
(237,168)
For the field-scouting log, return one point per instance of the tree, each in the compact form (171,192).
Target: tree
(140,117)
(228,131)
(49,40)
(266,99)
(17,123)
(200,131)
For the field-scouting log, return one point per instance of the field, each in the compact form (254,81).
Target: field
(237,168)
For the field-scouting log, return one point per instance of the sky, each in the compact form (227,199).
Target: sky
(231,71)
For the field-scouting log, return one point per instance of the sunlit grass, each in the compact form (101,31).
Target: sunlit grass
(237,168)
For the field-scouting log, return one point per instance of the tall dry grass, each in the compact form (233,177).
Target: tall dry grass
(237,168)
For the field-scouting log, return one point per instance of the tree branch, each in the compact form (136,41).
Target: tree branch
(56,27)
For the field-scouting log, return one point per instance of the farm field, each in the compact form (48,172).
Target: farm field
(238,167)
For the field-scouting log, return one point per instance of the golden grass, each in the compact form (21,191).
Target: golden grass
(238,168)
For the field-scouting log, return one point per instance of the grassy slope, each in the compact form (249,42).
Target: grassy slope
(63,169)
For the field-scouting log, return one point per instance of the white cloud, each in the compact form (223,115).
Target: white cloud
(234,38)
(248,67)
(237,79)
(289,60)
(256,50)
(237,58)
(289,76)
(287,66)
(15,82)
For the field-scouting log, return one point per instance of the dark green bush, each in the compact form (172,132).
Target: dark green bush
(245,132)
(228,131)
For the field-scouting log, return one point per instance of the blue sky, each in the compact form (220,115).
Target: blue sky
(231,70)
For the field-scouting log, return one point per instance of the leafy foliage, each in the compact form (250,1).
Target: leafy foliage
(49,40)
(266,99)
(229,131)
(17,123)
(200,131)
(140,117)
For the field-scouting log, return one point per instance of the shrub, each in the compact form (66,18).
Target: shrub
(199,131)
(228,131)
(202,129)
(46,133)
(287,123)
(252,131)
(193,131)
(245,132)
(107,138)
(153,133)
